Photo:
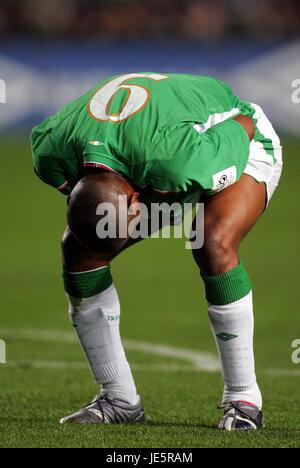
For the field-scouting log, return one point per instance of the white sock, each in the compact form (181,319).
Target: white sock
(236,352)
(97,322)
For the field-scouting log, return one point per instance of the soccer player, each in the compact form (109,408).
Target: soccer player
(167,137)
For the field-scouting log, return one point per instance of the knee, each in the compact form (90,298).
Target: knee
(66,241)
(71,251)
(82,220)
(219,252)
(76,257)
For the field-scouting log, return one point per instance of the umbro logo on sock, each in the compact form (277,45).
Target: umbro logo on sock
(226,336)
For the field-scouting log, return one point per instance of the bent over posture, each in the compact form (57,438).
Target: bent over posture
(154,137)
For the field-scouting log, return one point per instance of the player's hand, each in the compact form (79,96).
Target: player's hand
(248,125)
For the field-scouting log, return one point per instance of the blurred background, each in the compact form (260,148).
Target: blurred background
(134,19)
(51,51)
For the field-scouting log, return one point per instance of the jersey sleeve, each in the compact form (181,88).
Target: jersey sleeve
(207,161)
(99,154)
(60,173)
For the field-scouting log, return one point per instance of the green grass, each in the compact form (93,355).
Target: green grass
(162,302)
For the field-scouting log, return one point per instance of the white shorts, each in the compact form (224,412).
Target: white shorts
(265,164)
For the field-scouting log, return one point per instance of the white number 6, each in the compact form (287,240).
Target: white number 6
(136,99)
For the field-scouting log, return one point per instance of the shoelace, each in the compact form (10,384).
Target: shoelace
(226,407)
(98,399)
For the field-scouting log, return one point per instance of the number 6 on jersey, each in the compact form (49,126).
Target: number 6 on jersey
(136,99)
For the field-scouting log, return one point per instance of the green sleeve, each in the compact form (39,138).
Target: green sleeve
(210,161)
(56,172)
(100,154)
(60,173)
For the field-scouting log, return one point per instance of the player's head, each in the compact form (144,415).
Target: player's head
(84,214)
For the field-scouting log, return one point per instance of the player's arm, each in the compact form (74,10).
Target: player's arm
(247,123)
(207,161)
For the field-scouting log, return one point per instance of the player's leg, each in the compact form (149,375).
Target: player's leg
(94,305)
(229,216)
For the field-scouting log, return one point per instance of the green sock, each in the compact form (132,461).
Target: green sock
(228,287)
(87,283)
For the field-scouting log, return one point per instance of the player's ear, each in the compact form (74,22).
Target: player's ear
(134,212)
(133,198)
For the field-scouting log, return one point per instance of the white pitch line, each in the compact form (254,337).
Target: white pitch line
(200,360)
(283,372)
(77,365)
(56,365)
(37,334)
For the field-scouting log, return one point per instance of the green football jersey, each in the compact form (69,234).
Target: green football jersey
(172,134)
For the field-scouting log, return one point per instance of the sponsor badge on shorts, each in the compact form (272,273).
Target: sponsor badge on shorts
(224,178)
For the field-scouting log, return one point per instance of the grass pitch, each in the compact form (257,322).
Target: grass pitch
(162,302)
